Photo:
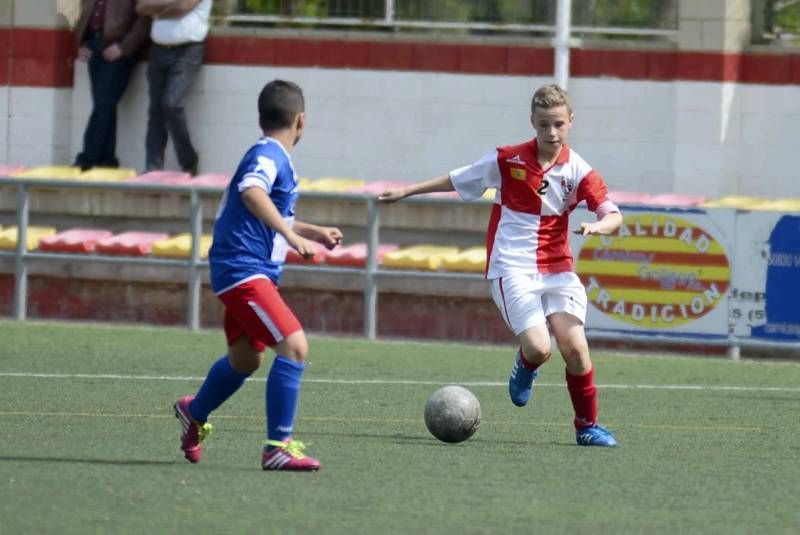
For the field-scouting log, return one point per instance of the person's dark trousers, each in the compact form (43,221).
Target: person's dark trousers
(170,73)
(109,81)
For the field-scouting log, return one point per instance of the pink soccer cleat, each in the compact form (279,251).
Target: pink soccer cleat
(193,433)
(288,455)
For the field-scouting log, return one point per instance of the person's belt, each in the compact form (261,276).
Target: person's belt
(178,45)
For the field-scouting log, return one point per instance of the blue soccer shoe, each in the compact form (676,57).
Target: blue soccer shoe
(595,435)
(520,384)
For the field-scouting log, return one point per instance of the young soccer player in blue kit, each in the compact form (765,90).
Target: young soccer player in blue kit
(255,226)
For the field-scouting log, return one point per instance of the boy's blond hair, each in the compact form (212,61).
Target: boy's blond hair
(550,96)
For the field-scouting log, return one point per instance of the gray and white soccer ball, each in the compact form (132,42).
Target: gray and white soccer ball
(452,414)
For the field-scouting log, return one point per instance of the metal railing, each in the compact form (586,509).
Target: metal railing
(21,254)
(371,273)
(642,18)
(194,264)
(775,21)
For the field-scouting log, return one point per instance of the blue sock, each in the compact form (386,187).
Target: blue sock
(220,384)
(283,392)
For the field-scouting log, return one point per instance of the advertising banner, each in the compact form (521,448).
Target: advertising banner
(666,271)
(765,294)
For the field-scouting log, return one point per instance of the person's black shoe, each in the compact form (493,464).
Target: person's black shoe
(192,169)
(80,161)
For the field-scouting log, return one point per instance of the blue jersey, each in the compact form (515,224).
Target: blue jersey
(245,248)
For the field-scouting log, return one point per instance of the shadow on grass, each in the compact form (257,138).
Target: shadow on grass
(402,439)
(113,462)
(417,440)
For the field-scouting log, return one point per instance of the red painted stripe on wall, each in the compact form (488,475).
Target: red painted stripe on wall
(37,57)
(5,45)
(44,58)
(661,65)
(379,55)
(709,66)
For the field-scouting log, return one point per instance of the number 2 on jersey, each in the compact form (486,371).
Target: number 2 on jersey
(542,189)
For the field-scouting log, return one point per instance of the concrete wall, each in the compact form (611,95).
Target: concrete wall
(714,24)
(38,123)
(36,54)
(694,137)
(650,130)
(43,13)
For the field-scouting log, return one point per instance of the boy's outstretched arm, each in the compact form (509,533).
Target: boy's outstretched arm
(440,183)
(260,205)
(605,225)
(330,237)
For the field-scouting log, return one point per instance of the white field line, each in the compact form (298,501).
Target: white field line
(118,377)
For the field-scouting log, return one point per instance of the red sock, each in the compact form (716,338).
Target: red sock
(584,398)
(528,365)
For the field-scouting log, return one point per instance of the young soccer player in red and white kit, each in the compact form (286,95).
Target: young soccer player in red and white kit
(528,259)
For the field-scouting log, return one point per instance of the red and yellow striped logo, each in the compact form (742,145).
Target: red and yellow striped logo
(517,173)
(657,271)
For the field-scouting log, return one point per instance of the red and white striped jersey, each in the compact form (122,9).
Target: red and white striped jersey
(528,228)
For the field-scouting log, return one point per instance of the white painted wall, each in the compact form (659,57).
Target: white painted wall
(707,138)
(625,130)
(38,125)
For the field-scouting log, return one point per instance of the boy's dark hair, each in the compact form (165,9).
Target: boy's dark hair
(278,105)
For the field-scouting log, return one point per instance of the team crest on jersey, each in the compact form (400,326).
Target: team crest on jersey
(567,184)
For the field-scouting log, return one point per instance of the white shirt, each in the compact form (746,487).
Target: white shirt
(191,28)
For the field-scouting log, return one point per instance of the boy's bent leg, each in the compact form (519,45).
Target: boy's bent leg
(222,381)
(265,317)
(533,352)
(579,372)
(227,374)
(518,299)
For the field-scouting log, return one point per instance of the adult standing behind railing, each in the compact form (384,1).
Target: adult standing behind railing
(179,32)
(110,38)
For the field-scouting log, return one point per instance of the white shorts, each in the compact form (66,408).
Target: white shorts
(527,300)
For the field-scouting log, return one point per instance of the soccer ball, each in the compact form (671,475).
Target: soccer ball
(452,414)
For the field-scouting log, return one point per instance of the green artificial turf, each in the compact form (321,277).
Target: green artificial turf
(707,445)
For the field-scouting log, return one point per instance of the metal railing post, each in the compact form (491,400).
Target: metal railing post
(389,10)
(734,351)
(562,42)
(370,285)
(195,283)
(20,267)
